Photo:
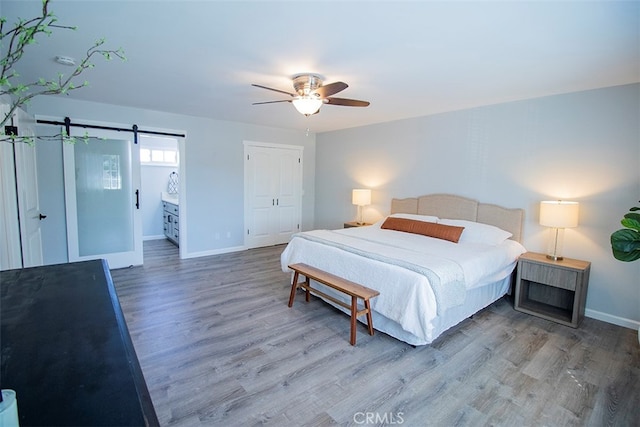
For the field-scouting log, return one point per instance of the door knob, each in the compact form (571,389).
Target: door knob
(41,217)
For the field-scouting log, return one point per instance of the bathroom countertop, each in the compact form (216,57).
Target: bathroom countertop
(170,198)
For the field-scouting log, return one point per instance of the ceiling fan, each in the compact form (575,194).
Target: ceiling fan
(311,94)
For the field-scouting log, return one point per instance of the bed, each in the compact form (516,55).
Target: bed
(429,280)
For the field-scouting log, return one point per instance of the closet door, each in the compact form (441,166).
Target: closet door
(286,176)
(259,197)
(10,246)
(102,193)
(20,215)
(273,193)
(28,202)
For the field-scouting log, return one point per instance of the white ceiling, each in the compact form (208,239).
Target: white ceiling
(407,58)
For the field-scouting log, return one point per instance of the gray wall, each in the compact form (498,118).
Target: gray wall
(212,164)
(583,146)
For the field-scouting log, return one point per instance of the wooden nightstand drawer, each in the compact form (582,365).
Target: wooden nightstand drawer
(553,290)
(352,224)
(559,278)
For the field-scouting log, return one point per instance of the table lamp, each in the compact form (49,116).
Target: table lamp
(557,215)
(361,197)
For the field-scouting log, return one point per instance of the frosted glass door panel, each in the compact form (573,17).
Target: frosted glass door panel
(104,193)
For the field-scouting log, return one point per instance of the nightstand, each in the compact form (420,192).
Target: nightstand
(553,290)
(355,224)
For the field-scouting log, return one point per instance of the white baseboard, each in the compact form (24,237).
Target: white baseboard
(157,237)
(610,318)
(215,252)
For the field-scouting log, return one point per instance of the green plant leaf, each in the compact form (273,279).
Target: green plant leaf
(631,220)
(625,244)
(626,256)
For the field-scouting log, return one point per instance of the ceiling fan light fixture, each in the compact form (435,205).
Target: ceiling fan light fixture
(306,104)
(310,94)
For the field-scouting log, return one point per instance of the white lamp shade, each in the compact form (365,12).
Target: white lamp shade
(559,214)
(361,197)
(307,105)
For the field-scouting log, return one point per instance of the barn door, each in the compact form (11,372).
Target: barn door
(102,192)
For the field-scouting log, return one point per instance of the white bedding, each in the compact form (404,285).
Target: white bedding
(392,262)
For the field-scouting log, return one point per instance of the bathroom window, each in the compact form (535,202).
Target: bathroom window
(158,151)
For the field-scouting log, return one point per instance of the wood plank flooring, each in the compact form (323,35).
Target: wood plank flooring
(219,346)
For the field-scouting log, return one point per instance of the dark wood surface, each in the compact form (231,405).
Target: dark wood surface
(219,346)
(66,350)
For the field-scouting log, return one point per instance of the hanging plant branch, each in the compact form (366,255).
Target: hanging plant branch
(19,38)
(57,137)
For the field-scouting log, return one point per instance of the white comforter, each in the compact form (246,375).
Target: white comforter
(405,268)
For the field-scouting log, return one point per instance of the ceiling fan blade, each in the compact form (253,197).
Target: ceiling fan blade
(331,89)
(271,102)
(275,90)
(347,102)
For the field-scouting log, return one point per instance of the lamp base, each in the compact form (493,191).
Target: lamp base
(554,249)
(359,220)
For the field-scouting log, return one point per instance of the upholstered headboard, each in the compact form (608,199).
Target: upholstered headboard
(457,207)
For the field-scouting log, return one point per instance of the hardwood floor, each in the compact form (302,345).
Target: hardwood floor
(219,346)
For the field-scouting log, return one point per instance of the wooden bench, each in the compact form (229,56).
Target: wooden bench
(352,289)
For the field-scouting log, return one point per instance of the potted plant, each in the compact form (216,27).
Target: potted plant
(625,243)
(14,40)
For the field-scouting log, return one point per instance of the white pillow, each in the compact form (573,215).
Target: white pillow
(476,232)
(423,218)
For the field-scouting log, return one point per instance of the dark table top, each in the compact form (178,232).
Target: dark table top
(66,349)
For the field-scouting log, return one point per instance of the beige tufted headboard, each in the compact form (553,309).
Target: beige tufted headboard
(457,207)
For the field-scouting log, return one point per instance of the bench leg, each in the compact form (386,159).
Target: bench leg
(294,287)
(307,284)
(354,311)
(369,318)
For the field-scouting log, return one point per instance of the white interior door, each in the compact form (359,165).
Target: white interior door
(259,186)
(27,186)
(21,244)
(273,193)
(10,247)
(102,191)
(288,194)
